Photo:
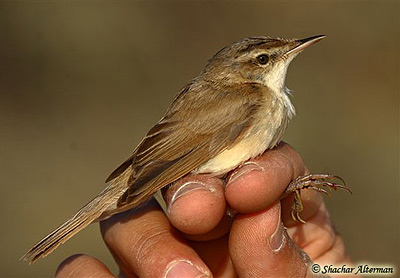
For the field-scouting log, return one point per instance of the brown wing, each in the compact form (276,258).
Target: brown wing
(157,128)
(201,123)
(121,168)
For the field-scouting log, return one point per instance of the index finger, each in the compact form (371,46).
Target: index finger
(259,182)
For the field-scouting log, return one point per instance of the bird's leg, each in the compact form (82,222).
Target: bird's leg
(320,182)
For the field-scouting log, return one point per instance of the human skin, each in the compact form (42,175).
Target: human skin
(196,238)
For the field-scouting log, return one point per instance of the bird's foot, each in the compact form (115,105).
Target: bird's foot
(324,183)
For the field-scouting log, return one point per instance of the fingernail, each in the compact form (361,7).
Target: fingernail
(244,169)
(277,239)
(184,269)
(185,189)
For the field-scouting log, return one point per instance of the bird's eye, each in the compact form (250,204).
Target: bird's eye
(263,59)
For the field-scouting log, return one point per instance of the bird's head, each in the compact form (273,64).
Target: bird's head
(262,60)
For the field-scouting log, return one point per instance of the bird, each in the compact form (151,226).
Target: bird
(234,110)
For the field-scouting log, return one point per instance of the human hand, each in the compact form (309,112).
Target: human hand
(196,236)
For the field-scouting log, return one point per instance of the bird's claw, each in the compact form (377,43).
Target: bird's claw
(323,183)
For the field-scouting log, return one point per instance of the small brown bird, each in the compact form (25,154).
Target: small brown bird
(237,108)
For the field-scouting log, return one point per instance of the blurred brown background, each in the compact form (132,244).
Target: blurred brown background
(82,82)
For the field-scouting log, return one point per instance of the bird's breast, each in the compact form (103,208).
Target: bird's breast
(261,136)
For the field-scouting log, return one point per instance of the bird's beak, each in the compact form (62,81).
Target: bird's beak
(300,45)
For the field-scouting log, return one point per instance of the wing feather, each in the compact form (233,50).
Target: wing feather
(189,135)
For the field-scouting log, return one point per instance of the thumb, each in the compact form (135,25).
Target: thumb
(260,247)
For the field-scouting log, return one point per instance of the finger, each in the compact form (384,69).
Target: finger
(319,239)
(259,182)
(196,204)
(82,266)
(260,247)
(144,243)
(215,253)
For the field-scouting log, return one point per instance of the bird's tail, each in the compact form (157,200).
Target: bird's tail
(91,212)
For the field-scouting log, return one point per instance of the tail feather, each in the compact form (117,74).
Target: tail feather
(91,212)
